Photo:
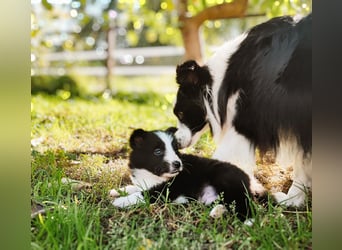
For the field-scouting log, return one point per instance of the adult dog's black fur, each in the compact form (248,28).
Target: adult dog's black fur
(254,92)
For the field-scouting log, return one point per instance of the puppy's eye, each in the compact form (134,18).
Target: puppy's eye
(180,115)
(157,152)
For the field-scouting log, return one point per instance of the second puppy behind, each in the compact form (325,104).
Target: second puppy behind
(158,168)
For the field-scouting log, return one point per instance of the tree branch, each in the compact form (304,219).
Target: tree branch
(189,26)
(237,8)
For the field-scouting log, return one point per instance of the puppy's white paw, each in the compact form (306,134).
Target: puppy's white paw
(130,189)
(124,191)
(218,211)
(129,200)
(113,193)
(121,202)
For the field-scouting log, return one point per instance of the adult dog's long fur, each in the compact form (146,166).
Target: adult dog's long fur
(255,91)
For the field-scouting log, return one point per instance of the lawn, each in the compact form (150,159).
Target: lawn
(79,152)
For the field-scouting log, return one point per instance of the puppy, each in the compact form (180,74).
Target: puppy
(157,168)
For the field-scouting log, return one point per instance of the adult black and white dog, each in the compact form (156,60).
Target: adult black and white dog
(255,91)
(159,169)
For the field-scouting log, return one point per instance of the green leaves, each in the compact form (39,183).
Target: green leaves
(281,7)
(148,23)
(47,5)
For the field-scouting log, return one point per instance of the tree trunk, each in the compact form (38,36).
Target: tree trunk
(189,26)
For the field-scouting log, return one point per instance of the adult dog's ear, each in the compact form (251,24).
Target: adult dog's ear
(191,74)
(137,138)
(187,73)
(171,130)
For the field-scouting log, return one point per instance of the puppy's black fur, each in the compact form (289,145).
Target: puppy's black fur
(195,174)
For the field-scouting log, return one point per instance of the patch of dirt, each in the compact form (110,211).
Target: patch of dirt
(274,178)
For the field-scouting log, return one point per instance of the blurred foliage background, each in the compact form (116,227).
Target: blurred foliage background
(83,25)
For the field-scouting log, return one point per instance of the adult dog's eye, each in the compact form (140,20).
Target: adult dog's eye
(158,152)
(180,115)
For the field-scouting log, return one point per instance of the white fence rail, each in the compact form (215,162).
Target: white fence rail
(94,55)
(125,56)
(102,71)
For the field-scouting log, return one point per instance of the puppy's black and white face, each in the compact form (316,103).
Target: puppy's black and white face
(190,108)
(154,157)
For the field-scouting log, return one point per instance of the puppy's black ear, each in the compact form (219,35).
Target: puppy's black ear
(171,130)
(137,138)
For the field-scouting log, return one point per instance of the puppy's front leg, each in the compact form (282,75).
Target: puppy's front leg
(129,189)
(129,200)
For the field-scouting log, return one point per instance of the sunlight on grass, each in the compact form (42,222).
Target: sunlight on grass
(86,139)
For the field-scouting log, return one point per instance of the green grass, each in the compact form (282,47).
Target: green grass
(86,140)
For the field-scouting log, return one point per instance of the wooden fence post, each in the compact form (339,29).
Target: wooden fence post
(111,40)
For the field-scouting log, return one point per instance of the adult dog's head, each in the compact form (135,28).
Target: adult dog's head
(190,108)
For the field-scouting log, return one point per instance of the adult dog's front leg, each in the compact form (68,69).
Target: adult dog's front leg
(237,150)
(296,195)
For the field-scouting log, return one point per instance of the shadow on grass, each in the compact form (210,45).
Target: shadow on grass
(75,154)
(139,97)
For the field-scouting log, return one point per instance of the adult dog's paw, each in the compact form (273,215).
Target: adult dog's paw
(288,200)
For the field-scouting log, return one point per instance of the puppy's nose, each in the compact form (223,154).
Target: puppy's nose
(176,164)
